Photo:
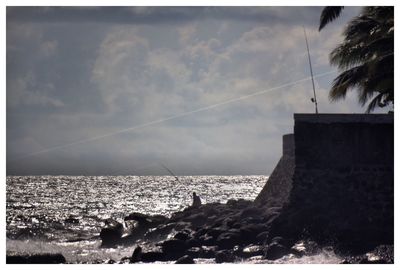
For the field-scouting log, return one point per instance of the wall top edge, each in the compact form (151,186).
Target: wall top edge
(344,118)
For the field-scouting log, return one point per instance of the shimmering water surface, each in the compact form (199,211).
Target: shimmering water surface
(51,212)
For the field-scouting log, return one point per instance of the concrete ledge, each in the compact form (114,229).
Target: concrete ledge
(344,118)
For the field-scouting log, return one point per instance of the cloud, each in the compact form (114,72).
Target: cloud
(157,15)
(26,91)
(78,73)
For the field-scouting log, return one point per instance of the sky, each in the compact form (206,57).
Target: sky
(125,90)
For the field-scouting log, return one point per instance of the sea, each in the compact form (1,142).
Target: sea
(65,214)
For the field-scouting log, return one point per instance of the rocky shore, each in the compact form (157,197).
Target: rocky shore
(234,232)
(228,233)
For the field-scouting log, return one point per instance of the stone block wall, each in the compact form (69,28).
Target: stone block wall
(342,183)
(277,189)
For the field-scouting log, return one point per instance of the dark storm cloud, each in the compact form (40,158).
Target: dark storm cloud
(156,15)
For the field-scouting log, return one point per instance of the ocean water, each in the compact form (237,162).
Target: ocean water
(66,213)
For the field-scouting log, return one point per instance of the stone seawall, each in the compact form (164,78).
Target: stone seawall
(339,185)
(277,189)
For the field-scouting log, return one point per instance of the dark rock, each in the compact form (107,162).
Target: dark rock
(208,252)
(136,255)
(207,240)
(302,248)
(173,246)
(192,242)
(160,232)
(194,252)
(36,259)
(181,236)
(146,220)
(228,240)
(224,256)
(251,212)
(201,231)
(185,260)
(261,237)
(153,256)
(180,226)
(275,251)
(252,250)
(215,232)
(72,220)
(250,232)
(196,220)
(111,236)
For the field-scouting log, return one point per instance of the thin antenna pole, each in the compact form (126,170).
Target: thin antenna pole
(314,100)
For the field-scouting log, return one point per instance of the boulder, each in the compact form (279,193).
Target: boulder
(275,251)
(160,232)
(261,237)
(196,220)
(251,211)
(136,255)
(185,260)
(249,232)
(111,236)
(193,242)
(228,240)
(252,250)
(153,256)
(181,236)
(207,240)
(36,259)
(173,248)
(224,256)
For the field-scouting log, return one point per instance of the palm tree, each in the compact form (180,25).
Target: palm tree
(365,57)
(328,14)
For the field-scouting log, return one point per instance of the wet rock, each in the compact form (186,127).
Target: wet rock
(275,251)
(208,252)
(111,236)
(251,212)
(180,226)
(252,250)
(192,242)
(201,231)
(173,248)
(36,259)
(207,240)
(71,220)
(196,220)
(382,254)
(182,236)
(194,252)
(261,237)
(146,220)
(160,232)
(250,232)
(215,232)
(185,260)
(302,248)
(136,255)
(153,256)
(228,240)
(224,256)
(147,257)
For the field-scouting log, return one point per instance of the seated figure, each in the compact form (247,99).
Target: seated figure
(196,200)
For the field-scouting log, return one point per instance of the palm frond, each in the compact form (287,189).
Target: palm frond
(328,14)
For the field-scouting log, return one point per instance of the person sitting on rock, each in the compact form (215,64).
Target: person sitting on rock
(196,200)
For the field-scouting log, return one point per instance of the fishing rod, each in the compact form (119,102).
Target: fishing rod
(165,167)
(314,99)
